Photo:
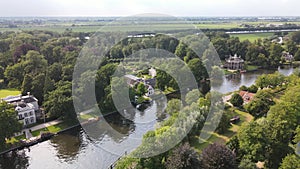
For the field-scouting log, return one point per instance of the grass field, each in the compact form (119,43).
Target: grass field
(9,92)
(14,140)
(106,27)
(51,129)
(218,25)
(252,37)
(223,138)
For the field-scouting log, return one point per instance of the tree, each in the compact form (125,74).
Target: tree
(243,88)
(247,164)
(1,72)
(217,75)
(59,103)
(37,88)
(55,72)
(181,50)
(291,161)
(183,157)
(252,89)
(141,89)
(22,50)
(221,46)
(275,54)
(224,123)
(9,123)
(217,156)
(253,141)
(14,75)
(291,47)
(174,106)
(261,103)
(192,96)
(26,85)
(270,80)
(262,60)
(296,37)
(198,70)
(34,63)
(297,55)
(236,100)
(162,79)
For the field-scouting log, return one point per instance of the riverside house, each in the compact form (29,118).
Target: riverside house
(26,106)
(234,63)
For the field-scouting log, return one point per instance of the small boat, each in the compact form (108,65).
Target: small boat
(243,71)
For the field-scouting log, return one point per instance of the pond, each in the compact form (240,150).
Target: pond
(233,82)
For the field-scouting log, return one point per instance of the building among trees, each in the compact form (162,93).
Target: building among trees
(287,57)
(234,63)
(26,106)
(247,96)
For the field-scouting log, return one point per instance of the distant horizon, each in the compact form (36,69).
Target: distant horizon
(178,8)
(119,16)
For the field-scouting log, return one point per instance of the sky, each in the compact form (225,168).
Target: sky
(133,7)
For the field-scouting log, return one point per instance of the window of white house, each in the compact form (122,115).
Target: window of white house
(25,114)
(26,121)
(30,113)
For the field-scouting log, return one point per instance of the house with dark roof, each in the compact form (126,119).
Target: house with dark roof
(234,63)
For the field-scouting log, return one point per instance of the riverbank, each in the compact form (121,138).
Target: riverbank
(63,126)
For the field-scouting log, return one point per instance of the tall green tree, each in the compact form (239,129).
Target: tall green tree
(291,161)
(275,54)
(236,100)
(59,103)
(9,123)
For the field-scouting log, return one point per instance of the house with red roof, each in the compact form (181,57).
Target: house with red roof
(247,96)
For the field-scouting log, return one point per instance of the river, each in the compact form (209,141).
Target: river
(74,149)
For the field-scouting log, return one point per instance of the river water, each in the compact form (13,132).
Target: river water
(75,149)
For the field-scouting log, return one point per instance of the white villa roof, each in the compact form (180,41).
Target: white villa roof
(132,77)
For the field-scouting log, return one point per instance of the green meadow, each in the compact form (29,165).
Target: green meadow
(9,92)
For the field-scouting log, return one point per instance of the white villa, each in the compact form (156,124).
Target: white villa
(151,90)
(26,106)
(149,83)
(152,72)
(234,63)
(287,57)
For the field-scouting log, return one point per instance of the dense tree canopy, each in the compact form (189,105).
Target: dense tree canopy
(9,123)
(217,156)
(236,100)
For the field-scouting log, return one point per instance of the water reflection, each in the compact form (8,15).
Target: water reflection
(233,82)
(14,160)
(68,144)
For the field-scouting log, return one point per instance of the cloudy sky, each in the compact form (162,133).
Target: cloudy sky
(131,7)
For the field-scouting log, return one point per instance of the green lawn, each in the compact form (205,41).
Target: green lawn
(14,140)
(51,129)
(9,92)
(252,37)
(251,68)
(223,138)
